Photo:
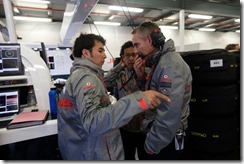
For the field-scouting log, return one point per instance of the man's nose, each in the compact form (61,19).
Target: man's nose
(135,50)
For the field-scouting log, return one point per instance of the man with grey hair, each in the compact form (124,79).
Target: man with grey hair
(170,75)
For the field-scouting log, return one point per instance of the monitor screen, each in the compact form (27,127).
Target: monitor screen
(10,59)
(9,102)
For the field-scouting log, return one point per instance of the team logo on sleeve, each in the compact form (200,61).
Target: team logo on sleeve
(165,81)
(89,86)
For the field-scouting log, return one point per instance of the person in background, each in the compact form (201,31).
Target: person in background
(232,47)
(170,75)
(88,124)
(124,79)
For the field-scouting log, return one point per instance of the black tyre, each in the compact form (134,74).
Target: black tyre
(213,136)
(215,102)
(211,67)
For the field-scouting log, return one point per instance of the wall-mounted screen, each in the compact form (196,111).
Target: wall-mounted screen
(10,59)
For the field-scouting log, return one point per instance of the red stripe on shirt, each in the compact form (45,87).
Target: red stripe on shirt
(143,104)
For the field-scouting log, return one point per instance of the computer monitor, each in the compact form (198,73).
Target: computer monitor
(9,102)
(10,59)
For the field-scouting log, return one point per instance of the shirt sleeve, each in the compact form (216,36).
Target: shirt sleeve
(112,75)
(96,112)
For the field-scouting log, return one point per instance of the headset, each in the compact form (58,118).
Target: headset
(158,38)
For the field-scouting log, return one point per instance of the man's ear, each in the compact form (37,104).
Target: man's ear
(122,57)
(85,53)
(149,39)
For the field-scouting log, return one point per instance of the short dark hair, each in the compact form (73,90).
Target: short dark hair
(86,41)
(127,44)
(231,46)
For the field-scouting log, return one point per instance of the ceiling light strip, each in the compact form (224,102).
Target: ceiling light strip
(16,10)
(237,20)
(122,8)
(35,19)
(36,1)
(207,29)
(168,27)
(197,16)
(111,17)
(107,23)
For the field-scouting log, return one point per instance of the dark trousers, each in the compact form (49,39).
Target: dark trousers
(132,142)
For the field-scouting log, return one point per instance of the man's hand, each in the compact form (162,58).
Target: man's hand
(139,67)
(154,98)
(122,63)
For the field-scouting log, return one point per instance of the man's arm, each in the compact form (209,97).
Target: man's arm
(97,119)
(112,75)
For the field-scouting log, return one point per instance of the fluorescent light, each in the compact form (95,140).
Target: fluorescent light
(111,17)
(130,9)
(210,25)
(237,20)
(69,13)
(32,3)
(207,29)
(200,16)
(168,27)
(35,19)
(107,23)
(16,10)
(238,31)
(36,1)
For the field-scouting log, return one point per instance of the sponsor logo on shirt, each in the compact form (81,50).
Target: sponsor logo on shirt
(165,78)
(165,82)
(65,103)
(89,86)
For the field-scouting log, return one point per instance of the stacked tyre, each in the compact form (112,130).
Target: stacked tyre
(214,107)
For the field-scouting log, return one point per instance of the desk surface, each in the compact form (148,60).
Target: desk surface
(22,134)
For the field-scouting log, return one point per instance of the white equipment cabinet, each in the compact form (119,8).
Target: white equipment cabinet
(36,74)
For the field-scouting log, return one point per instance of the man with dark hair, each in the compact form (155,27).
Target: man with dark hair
(88,124)
(124,79)
(170,75)
(232,47)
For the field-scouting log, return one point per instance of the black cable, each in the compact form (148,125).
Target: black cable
(123,84)
(126,15)
(95,25)
(133,23)
(89,24)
